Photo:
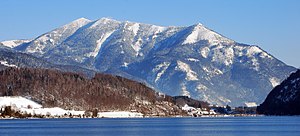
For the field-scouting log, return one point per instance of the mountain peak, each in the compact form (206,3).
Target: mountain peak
(104,21)
(77,23)
(107,19)
(81,19)
(199,32)
(198,24)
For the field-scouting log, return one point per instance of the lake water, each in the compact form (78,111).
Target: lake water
(227,126)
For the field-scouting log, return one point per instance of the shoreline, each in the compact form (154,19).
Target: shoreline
(146,117)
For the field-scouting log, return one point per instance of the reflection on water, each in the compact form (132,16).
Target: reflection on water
(231,126)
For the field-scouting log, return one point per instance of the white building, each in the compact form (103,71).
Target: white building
(250,104)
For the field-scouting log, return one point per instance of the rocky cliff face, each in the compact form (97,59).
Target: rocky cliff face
(284,99)
(192,61)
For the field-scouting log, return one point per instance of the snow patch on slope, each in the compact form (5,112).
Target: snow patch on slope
(253,50)
(205,52)
(158,30)
(193,59)
(190,74)
(223,55)
(223,99)
(5,63)
(184,91)
(161,69)
(255,64)
(134,28)
(201,87)
(274,81)
(212,71)
(99,44)
(125,64)
(137,46)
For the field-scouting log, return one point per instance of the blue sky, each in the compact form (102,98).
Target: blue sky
(274,25)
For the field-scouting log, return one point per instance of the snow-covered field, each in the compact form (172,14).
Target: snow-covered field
(27,106)
(18,102)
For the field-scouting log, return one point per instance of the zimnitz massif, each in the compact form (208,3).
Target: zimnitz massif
(192,61)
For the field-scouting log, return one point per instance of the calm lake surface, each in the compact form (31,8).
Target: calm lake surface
(227,126)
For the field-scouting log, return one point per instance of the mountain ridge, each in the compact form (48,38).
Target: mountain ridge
(192,60)
(284,99)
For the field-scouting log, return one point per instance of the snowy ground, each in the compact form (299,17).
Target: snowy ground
(18,102)
(30,107)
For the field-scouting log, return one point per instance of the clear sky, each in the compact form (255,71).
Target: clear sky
(274,25)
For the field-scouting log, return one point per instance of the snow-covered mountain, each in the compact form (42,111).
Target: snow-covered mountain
(11,58)
(284,99)
(193,61)
(47,41)
(13,43)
